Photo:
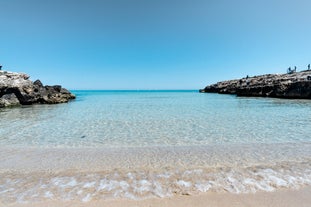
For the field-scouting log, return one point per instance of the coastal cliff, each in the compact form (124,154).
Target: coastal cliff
(16,89)
(295,85)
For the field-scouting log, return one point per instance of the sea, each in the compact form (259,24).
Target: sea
(145,144)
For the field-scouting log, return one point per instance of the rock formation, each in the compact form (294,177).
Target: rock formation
(16,89)
(295,85)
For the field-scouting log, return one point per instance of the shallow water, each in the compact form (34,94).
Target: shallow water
(111,144)
(131,119)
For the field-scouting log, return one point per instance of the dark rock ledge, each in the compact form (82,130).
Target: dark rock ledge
(16,89)
(295,85)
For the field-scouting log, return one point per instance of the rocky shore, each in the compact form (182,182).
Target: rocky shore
(294,85)
(16,89)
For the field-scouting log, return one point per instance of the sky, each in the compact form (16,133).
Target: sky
(152,44)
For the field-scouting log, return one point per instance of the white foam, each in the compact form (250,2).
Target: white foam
(64,183)
(124,185)
(277,181)
(183,183)
(7,190)
(164,175)
(158,190)
(48,194)
(108,185)
(71,183)
(191,172)
(203,187)
(130,176)
(130,196)
(87,198)
(140,185)
(79,192)
(265,187)
(144,186)
(89,184)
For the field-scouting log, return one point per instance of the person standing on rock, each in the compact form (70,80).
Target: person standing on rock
(309,67)
(0,67)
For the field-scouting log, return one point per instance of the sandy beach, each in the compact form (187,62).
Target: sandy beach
(156,154)
(115,103)
(281,198)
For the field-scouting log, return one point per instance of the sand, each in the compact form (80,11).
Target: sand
(281,198)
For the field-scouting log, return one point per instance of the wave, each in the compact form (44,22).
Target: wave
(136,185)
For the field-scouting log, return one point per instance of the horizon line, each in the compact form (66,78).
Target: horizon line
(133,89)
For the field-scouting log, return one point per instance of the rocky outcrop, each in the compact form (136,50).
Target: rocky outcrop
(295,85)
(16,89)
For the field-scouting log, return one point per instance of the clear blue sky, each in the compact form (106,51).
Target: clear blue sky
(159,44)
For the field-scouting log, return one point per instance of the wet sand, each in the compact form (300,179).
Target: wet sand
(53,176)
(281,198)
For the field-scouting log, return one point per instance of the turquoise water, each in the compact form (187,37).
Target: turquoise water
(142,144)
(156,118)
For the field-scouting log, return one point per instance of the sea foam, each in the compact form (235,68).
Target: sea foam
(141,185)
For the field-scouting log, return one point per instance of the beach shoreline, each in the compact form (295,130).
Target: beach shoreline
(34,175)
(159,149)
(280,198)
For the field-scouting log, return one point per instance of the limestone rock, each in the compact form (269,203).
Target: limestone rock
(295,85)
(17,89)
(8,100)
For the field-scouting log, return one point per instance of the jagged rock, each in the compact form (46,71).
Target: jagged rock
(295,85)
(17,89)
(38,83)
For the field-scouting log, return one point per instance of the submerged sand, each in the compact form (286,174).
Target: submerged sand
(280,198)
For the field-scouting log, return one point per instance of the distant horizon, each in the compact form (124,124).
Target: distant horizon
(141,89)
(103,44)
(134,90)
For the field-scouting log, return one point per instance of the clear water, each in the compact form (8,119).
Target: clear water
(140,144)
(131,119)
